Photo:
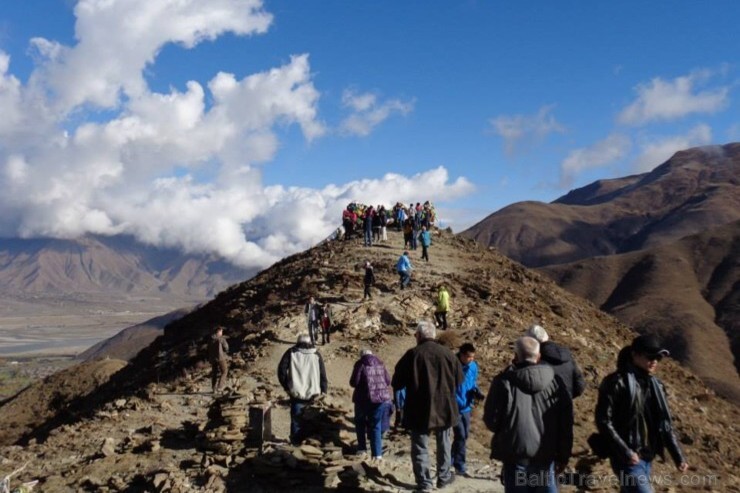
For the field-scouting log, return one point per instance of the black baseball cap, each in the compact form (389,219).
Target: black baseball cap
(648,345)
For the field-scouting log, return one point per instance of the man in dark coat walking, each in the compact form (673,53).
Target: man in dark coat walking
(530,414)
(218,355)
(430,373)
(561,360)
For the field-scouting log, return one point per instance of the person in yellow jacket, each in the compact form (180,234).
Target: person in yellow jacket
(443,306)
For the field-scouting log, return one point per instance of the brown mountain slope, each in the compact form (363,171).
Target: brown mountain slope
(694,190)
(687,291)
(127,343)
(159,427)
(115,265)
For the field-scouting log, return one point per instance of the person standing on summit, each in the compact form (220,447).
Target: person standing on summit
(218,355)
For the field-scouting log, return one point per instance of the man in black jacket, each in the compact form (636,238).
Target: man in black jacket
(530,414)
(633,416)
(561,360)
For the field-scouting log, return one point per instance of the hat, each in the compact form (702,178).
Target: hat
(537,332)
(648,345)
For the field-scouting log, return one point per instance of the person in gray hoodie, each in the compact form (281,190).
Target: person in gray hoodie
(530,413)
(218,355)
(302,374)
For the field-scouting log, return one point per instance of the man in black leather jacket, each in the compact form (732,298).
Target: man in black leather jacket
(633,416)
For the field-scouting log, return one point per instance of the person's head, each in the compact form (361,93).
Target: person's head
(537,332)
(527,350)
(365,352)
(406,253)
(466,353)
(367,264)
(425,331)
(443,288)
(219,331)
(303,340)
(647,352)
(423,228)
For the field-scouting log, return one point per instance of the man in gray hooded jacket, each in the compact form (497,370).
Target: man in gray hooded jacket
(530,413)
(302,374)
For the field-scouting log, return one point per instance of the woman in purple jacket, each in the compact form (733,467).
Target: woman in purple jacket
(371,382)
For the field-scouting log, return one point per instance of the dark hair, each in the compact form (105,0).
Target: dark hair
(467,348)
(217,329)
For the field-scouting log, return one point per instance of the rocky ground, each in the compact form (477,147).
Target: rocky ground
(154,425)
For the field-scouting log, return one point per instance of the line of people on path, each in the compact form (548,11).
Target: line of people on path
(529,408)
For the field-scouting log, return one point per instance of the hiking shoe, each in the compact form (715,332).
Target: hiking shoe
(447,482)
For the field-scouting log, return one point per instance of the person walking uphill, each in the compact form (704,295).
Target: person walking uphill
(312,310)
(404,268)
(218,355)
(466,395)
(425,238)
(561,360)
(443,306)
(530,413)
(371,382)
(633,417)
(369,280)
(302,375)
(430,373)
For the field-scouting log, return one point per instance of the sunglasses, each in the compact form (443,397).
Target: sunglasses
(654,357)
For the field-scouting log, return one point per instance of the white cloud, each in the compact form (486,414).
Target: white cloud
(368,113)
(657,151)
(667,100)
(600,154)
(177,169)
(525,129)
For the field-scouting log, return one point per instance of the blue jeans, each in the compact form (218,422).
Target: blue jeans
(420,457)
(368,236)
(633,478)
(405,278)
(368,421)
(296,408)
(461,432)
(520,478)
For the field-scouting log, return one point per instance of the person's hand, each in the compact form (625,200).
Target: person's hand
(560,467)
(683,467)
(633,459)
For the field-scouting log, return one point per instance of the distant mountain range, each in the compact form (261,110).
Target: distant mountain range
(660,250)
(695,190)
(110,265)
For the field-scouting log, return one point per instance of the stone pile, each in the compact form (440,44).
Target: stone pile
(223,436)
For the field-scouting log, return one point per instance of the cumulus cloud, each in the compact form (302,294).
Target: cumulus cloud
(667,100)
(525,129)
(657,151)
(178,169)
(600,154)
(368,112)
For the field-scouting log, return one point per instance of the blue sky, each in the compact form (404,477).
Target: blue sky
(233,118)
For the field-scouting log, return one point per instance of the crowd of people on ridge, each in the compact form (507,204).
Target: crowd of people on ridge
(529,407)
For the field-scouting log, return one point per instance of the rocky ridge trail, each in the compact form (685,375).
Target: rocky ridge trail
(154,426)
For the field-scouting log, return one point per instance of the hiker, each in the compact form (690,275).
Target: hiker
(376,225)
(633,416)
(399,401)
(561,360)
(302,374)
(383,216)
(369,280)
(348,221)
(408,233)
(404,268)
(466,395)
(326,322)
(425,238)
(430,373)
(443,306)
(368,225)
(218,355)
(371,382)
(312,311)
(530,413)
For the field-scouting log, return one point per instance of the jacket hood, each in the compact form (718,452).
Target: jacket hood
(532,378)
(554,354)
(370,360)
(305,349)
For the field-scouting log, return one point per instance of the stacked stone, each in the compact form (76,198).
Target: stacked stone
(225,431)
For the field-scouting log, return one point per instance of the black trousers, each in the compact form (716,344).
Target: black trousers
(441,318)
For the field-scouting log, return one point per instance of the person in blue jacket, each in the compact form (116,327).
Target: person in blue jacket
(467,393)
(404,268)
(425,238)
